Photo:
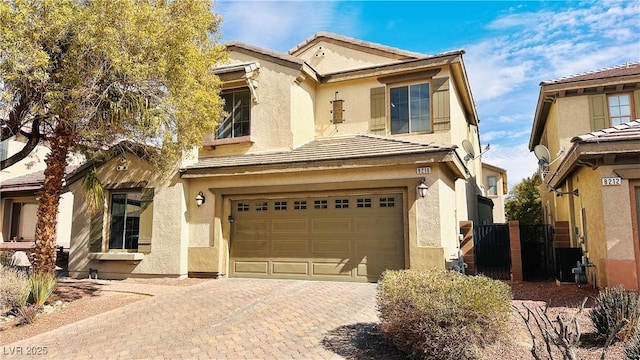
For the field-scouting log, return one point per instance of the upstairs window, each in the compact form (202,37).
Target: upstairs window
(237,106)
(410,108)
(493,185)
(619,108)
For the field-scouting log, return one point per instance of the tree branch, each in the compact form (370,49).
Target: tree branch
(34,138)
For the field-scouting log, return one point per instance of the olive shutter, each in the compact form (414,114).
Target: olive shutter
(441,104)
(146,220)
(377,123)
(636,100)
(598,112)
(95,235)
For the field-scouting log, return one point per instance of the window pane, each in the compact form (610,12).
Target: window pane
(420,108)
(238,107)
(619,109)
(493,188)
(118,217)
(399,110)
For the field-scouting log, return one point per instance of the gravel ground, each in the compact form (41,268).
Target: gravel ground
(355,341)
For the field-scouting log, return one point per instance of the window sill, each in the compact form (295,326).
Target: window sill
(121,256)
(228,141)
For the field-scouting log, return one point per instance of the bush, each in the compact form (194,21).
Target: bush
(632,348)
(42,285)
(14,289)
(613,307)
(442,314)
(5,258)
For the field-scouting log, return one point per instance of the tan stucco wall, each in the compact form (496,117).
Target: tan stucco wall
(573,118)
(303,103)
(271,128)
(339,58)
(357,107)
(168,256)
(424,217)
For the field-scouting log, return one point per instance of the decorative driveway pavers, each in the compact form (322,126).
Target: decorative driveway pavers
(218,319)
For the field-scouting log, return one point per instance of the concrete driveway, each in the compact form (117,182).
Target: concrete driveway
(218,319)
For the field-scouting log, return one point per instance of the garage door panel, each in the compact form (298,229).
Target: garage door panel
(290,226)
(331,226)
(251,227)
(335,246)
(299,246)
(250,247)
(330,269)
(325,237)
(290,268)
(258,267)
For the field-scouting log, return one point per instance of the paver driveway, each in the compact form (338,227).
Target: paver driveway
(221,319)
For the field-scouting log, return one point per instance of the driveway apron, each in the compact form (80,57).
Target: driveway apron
(218,319)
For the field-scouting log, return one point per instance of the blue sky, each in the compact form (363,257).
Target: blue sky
(511,46)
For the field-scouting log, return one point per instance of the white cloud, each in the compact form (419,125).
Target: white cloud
(280,25)
(517,160)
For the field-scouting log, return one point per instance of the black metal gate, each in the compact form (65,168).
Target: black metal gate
(492,250)
(536,244)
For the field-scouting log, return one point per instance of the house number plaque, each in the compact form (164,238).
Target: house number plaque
(609,181)
(423,170)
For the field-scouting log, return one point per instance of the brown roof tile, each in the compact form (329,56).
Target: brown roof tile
(32,180)
(357,42)
(340,148)
(626,131)
(616,71)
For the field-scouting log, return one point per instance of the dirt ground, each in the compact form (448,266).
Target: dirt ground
(355,341)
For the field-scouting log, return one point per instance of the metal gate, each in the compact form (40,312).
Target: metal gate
(536,244)
(492,250)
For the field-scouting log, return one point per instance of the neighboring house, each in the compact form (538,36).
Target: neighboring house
(19,185)
(316,173)
(593,192)
(494,182)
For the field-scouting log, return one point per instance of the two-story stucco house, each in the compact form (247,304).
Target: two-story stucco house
(337,160)
(592,195)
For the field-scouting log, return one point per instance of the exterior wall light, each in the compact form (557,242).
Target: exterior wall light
(422,189)
(200,199)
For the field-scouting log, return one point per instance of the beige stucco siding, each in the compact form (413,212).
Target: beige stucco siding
(300,182)
(303,103)
(573,117)
(333,57)
(168,247)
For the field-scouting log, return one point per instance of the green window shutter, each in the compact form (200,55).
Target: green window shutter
(598,112)
(378,121)
(636,102)
(441,104)
(95,234)
(146,220)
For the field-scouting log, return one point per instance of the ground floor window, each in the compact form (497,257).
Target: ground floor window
(124,226)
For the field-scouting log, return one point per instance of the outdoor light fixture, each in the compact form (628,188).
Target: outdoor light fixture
(422,188)
(200,199)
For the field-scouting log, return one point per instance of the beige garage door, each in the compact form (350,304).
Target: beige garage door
(326,238)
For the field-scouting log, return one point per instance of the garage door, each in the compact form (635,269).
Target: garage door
(351,238)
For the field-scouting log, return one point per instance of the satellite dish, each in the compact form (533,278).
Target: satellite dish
(543,155)
(468,148)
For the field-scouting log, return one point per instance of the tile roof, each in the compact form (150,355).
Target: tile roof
(339,148)
(632,68)
(31,181)
(266,52)
(357,42)
(626,131)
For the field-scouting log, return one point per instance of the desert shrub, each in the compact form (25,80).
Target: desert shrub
(28,313)
(5,258)
(616,310)
(14,288)
(632,347)
(42,285)
(438,314)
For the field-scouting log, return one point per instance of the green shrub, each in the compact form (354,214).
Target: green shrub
(632,348)
(42,286)
(614,305)
(14,289)
(438,314)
